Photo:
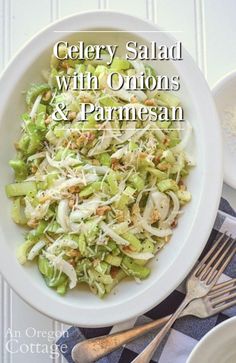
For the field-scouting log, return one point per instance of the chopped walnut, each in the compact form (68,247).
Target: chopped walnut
(163,166)
(100,211)
(65,65)
(150,102)
(74,189)
(134,213)
(115,163)
(34,169)
(133,99)
(47,95)
(174,223)
(71,203)
(84,138)
(33,223)
(48,120)
(155,216)
(72,115)
(73,253)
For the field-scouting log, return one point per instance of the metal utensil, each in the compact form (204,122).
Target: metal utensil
(200,282)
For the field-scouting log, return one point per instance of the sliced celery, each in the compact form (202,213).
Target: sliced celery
(18,189)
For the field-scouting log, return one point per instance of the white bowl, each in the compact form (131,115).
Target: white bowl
(224,94)
(217,346)
(129,299)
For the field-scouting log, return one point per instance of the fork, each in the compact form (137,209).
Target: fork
(200,282)
(221,297)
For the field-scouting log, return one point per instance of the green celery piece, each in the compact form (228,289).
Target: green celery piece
(161,175)
(113,260)
(35,90)
(44,267)
(80,68)
(100,289)
(100,69)
(120,275)
(169,156)
(126,197)
(53,227)
(148,246)
(112,181)
(168,98)
(82,244)
(99,277)
(173,138)
(35,233)
(40,118)
(20,168)
(18,189)
(167,184)
(17,212)
(22,251)
(91,189)
(101,267)
(35,143)
(133,269)
(90,68)
(120,64)
(184,196)
(24,142)
(105,159)
(134,242)
(56,281)
(62,289)
(137,182)
(150,71)
(108,101)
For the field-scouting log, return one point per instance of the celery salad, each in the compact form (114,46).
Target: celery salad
(98,199)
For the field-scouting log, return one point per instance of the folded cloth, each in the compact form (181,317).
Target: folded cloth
(184,334)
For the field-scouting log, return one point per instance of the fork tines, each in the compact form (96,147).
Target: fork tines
(215,261)
(223,296)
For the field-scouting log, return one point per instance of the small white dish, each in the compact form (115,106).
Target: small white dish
(224,93)
(217,346)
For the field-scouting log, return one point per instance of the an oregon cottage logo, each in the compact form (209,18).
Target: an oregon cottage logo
(25,342)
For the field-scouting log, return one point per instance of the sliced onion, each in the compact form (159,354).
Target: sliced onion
(139,255)
(84,210)
(35,106)
(118,239)
(120,152)
(158,232)
(64,184)
(101,170)
(35,250)
(60,243)
(63,214)
(183,143)
(131,130)
(69,161)
(167,222)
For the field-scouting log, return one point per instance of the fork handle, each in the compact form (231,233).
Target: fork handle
(146,355)
(93,349)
